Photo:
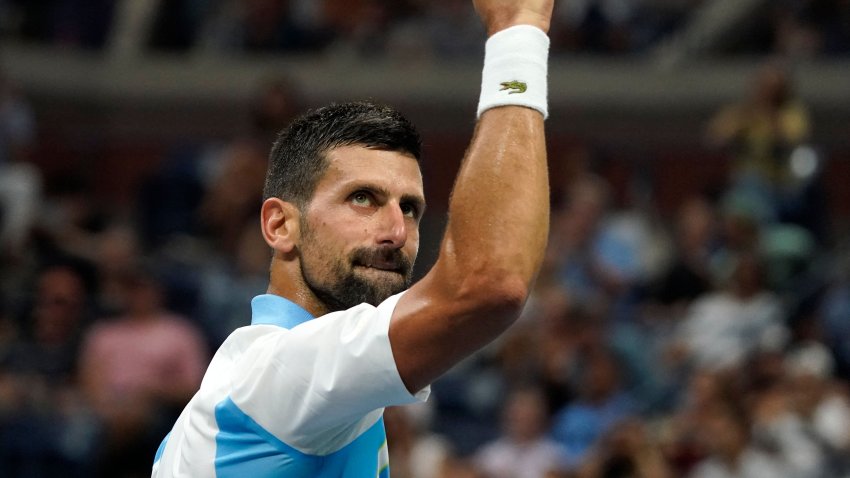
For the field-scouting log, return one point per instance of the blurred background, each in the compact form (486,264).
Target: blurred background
(693,315)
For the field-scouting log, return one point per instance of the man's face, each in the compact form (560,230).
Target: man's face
(360,231)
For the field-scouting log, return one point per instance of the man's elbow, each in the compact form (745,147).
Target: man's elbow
(505,294)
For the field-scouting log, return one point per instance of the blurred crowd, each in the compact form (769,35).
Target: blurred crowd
(413,29)
(711,343)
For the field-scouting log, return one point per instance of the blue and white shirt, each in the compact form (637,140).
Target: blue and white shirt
(292,396)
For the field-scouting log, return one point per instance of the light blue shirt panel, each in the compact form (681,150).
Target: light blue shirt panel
(275,310)
(161,448)
(245,449)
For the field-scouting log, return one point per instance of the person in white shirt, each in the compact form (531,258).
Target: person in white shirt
(339,336)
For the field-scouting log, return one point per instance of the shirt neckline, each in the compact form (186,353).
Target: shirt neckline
(270,309)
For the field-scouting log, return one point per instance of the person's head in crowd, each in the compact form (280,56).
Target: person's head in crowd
(587,198)
(764,368)
(743,213)
(696,226)
(61,304)
(17,124)
(726,431)
(771,87)
(748,276)
(599,375)
(232,196)
(704,388)
(273,107)
(809,369)
(627,451)
(251,258)
(525,416)
(144,294)
(740,231)
(118,248)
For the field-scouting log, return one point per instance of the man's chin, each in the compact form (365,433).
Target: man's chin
(384,283)
(342,289)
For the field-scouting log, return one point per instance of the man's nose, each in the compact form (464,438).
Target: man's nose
(393,227)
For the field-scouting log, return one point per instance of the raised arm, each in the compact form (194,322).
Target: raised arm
(496,233)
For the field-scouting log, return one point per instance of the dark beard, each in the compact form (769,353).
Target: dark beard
(345,289)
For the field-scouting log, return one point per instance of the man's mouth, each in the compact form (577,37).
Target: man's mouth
(385,266)
(381,261)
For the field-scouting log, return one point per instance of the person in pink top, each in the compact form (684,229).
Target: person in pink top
(137,370)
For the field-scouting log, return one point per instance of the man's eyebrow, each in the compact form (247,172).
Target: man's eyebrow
(415,199)
(371,187)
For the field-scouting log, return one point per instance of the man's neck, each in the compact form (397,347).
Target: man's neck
(289,285)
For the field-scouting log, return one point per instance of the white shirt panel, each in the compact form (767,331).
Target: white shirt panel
(319,385)
(190,450)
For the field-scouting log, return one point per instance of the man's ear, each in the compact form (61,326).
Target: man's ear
(280,224)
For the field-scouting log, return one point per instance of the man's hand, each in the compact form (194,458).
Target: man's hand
(500,14)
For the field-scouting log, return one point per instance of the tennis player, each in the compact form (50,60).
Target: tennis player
(341,334)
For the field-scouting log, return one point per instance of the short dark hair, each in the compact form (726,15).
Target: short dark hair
(298,158)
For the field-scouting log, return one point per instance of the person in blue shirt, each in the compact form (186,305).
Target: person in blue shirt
(342,333)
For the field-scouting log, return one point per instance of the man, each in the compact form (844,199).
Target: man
(301,392)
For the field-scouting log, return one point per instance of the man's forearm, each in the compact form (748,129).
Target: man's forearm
(499,212)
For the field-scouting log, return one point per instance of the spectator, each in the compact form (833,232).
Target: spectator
(704,389)
(602,404)
(810,28)
(763,132)
(60,311)
(626,452)
(596,265)
(723,328)
(273,107)
(732,454)
(73,220)
(523,449)
(821,402)
(137,371)
(834,310)
(689,275)
(764,128)
(778,429)
(115,250)
(415,452)
(228,284)
(41,399)
(231,199)
(20,181)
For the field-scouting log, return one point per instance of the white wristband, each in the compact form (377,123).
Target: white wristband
(515,68)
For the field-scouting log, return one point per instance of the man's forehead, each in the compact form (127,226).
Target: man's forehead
(364,152)
(361,163)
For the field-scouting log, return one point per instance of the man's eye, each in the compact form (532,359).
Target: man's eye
(408,210)
(361,199)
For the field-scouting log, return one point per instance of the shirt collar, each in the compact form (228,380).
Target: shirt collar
(270,309)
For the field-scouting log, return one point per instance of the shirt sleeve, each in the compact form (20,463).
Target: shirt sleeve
(322,383)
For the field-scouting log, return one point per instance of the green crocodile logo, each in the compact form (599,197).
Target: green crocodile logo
(514,86)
